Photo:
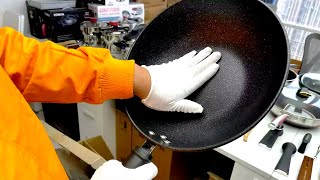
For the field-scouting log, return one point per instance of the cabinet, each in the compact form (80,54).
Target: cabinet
(128,138)
(241,172)
(63,117)
(97,120)
(171,164)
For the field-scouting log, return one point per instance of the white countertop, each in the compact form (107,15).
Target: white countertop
(263,161)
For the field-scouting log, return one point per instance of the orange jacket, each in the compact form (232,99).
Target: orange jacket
(47,72)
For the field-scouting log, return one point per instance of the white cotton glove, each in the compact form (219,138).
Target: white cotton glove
(114,170)
(172,82)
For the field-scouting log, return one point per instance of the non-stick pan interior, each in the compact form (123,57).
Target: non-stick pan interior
(252,71)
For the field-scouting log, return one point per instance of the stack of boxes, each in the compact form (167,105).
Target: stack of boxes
(59,20)
(172,2)
(56,20)
(153,8)
(114,10)
(117,10)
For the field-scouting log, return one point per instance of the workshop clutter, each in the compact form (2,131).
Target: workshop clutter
(63,24)
(97,23)
(115,36)
(132,11)
(153,8)
(57,23)
(62,21)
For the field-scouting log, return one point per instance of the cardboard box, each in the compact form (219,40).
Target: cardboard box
(79,159)
(105,13)
(152,2)
(64,24)
(213,176)
(116,13)
(172,2)
(77,168)
(152,12)
(84,3)
(98,146)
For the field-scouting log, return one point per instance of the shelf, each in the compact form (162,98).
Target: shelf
(301,27)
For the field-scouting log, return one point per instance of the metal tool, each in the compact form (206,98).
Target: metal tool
(318,151)
(277,122)
(271,137)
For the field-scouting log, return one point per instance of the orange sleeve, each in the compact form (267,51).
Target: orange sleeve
(47,72)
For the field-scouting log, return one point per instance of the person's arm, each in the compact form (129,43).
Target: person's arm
(141,82)
(47,72)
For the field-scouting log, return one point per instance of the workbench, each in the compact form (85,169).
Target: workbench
(253,161)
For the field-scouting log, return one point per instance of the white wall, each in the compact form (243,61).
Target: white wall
(18,6)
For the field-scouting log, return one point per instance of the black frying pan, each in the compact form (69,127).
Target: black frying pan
(253,70)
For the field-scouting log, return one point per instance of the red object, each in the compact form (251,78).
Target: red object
(93,20)
(114,23)
(43,30)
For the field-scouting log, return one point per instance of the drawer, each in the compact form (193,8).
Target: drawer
(89,120)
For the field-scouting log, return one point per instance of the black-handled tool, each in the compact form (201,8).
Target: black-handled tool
(306,139)
(270,138)
(140,156)
(304,92)
(283,165)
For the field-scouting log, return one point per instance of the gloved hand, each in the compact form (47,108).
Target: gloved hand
(172,82)
(114,170)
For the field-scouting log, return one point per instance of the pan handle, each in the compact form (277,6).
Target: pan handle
(140,156)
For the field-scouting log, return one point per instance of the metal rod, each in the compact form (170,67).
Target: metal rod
(317,152)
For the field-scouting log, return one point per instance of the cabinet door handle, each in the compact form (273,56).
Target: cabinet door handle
(88,113)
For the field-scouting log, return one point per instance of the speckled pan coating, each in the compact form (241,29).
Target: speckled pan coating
(253,70)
